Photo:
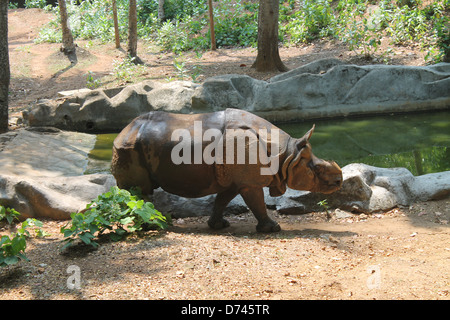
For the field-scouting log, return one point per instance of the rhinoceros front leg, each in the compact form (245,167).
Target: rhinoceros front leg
(254,198)
(216,221)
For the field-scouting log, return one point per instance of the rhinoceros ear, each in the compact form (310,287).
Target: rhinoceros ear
(308,135)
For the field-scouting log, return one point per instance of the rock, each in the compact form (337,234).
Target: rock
(111,109)
(52,197)
(179,207)
(329,88)
(41,172)
(45,152)
(340,214)
(322,89)
(371,189)
(72,92)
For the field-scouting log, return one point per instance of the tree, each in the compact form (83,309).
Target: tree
(161,14)
(68,46)
(268,58)
(116,24)
(132,33)
(211,25)
(5,73)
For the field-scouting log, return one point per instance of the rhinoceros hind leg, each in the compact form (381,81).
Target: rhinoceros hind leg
(254,198)
(216,221)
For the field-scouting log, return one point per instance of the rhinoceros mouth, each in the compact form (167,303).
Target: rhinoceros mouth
(329,177)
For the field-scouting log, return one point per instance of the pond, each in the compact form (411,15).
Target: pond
(418,142)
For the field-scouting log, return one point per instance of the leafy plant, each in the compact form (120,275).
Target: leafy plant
(35,4)
(324,205)
(9,214)
(359,32)
(12,248)
(91,82)
(173,36)
(408,25)
(184,72)
(115,213)
(126,69)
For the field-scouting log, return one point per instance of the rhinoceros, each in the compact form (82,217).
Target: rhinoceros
(227,153)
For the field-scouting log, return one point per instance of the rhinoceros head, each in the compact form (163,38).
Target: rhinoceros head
(304,171)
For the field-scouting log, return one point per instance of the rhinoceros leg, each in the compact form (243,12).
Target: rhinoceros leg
(254,198)
(216,221)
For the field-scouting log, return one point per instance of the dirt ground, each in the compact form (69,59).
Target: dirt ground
(400,254)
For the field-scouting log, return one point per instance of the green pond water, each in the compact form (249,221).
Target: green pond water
(418,142)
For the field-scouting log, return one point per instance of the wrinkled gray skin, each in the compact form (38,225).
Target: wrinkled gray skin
(142,158)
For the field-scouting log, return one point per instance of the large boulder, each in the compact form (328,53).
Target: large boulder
(329,88)
(110,109)
(46,152)
(321,89)
(41,172)
(52,197)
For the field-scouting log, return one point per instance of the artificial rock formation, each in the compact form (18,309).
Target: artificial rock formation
(322,89)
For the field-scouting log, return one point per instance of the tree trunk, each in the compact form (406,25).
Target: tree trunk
(116,24)
(132,32)
(68,46)
(161,14)
(4,66)
(268,58)
(211,25)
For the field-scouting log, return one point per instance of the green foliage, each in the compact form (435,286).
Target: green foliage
(91,82)
(35,4)
(12,248)
(50,33)
(407,25)
(173,36)
(126,70)
(361,24)
(115,213)
(174,9)
(235,24)
(310,22)
(8,214)
(358,31)
(93,20)
(324,205)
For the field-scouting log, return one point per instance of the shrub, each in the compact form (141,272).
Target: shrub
(12,248)
(310,22)
(119,212)
(8,214)
(357,31)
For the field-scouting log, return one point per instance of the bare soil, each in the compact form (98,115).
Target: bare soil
(400,254)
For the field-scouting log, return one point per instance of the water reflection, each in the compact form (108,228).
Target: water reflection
(418,142)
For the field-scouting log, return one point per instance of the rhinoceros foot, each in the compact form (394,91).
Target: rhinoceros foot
(268,226)
(218,223)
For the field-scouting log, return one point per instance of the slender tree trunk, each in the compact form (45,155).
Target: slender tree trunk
(68,45)
(161,14)
(116,24)
(268,58)
(211,25)
(5,74)
(132,31)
